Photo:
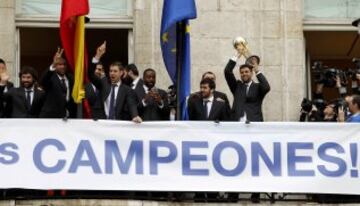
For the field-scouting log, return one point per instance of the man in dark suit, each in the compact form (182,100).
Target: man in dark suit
(4,75)
(119,100)
(152,101)
(132,77)
(93,95)
(25,101)
(217,95)
(58,85)
(248,95)
(204,106)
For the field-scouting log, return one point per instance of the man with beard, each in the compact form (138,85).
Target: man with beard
(248,95)
(93,95)
(118,99)
(152,101)
(58,85)
(25,101)
(217,95)
(205,107)
(132,77)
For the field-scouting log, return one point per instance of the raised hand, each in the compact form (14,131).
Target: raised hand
(57,55)
(100,51)
(157,98)
(4,78)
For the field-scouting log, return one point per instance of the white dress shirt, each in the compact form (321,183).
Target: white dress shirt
(107,101)
(209,103)
(135,82)
(31,93)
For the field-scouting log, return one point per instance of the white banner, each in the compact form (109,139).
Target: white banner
(180,156)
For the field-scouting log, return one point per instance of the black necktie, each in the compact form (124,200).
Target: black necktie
(112,102)
(63,85)
(247,88)
(28,99)
(205,109)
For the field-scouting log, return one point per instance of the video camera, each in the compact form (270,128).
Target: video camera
(327,76)
(352,72)
(307,105)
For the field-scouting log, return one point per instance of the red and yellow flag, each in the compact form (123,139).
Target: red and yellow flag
(72,33)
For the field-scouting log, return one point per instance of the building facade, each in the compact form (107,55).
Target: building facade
(276,30)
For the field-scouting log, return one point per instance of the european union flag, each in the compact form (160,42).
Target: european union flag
(175,46)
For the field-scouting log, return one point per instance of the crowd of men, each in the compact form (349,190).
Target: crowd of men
(343,109)
(122,94)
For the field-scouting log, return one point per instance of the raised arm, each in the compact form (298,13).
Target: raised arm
(100,51)
(229,75)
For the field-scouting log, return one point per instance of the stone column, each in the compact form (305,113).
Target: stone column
(7,35)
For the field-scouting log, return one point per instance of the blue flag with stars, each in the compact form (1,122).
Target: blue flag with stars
(175,46)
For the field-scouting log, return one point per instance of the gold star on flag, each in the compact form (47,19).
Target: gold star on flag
(165,37)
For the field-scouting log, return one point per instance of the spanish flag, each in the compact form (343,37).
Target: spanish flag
(72,33)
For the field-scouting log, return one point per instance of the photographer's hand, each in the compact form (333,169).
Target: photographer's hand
(338,81)
(319,88)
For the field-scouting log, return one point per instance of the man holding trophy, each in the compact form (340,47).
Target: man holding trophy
(248,95)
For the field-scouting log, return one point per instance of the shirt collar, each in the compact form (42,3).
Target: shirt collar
(136,81)
(146,88)
(248,83)
(61,77)
(30,89)
(210,99)
(117,83)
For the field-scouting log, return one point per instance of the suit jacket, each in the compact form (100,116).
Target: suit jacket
(217,95)
(8,86)
(152,112)
(218,111)
(95,101)
(55,104)
(250,103)
(125,105)
(15,103)
(139,85)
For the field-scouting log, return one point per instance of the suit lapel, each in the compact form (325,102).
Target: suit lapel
(214,108)
(106,89)
(140,91)
(119,97)
(21,93)
(200,105)
(35,98)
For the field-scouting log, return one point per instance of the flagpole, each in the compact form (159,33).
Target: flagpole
(179,58)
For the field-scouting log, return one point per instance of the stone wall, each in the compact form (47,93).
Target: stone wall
(273,29)
(7,34)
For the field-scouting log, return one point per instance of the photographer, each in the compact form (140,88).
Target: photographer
(354,108)
(313,113)
(355,76)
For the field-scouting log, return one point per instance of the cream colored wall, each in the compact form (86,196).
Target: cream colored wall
(7,34)
(272,27)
